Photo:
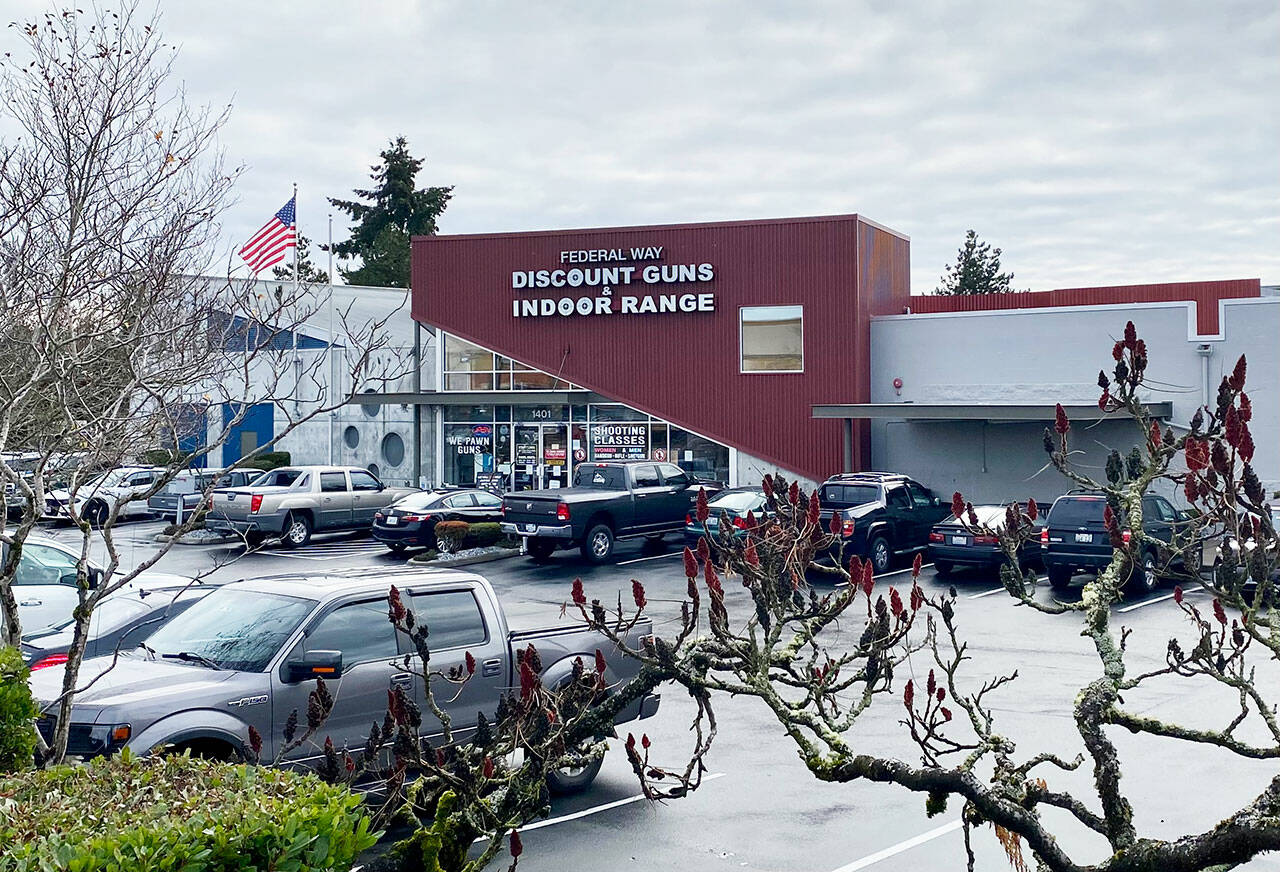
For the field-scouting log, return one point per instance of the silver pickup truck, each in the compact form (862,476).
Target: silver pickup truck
(292,502)
(246,653)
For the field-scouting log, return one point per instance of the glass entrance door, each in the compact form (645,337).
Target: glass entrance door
(541,457)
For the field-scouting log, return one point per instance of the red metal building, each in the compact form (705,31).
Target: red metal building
(654,317)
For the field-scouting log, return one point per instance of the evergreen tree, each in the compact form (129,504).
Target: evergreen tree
(976,271)
(387,216)
(308,272)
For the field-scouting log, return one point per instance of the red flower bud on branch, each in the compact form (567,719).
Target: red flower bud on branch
(528,681)
(1104,399)
(471,664)
(895,602)
(1130,335)
(917,597)
(1232,427)
(1177,594)
(1060,423)
(488,767)
(600,662)
(932,684)
(516,847)
(868,578)
(750,555)
(637,593)
(815,510)
(397,610)
(917,564)
(1197,454)
(1219,612)
(908,694)
(1033,511)
(1246,407)
(704,550)
(701,512)
(957,505)
(579,596)
(834,524)
(941,694)
(1117,351)
(1237,375)
(644,741)
(1245,448)
(690,564)
(1155,437)
(1108,518)
(793,494)
(946,713)
(766,484)
(255,740)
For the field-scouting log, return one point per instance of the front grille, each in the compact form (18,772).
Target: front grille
(79,741)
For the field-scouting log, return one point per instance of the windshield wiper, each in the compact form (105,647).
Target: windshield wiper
(191,657)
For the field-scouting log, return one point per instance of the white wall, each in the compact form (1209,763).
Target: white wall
(1047,356)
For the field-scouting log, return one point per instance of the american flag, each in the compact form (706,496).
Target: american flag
(268,245)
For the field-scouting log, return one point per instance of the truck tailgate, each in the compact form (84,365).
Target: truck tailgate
(235,503)
(530,510)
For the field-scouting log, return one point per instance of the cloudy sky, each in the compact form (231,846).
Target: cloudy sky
(1095,142)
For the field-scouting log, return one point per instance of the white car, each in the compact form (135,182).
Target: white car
(124,486)
(45,584)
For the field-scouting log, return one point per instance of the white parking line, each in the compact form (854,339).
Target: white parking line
(587,812)
(893,850)
(654,557)
(1159,599)
(923,567)
(986,593)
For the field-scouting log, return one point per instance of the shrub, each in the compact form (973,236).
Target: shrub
(482,535)
(450,535)
(267,460)
(172,813)
(17,713)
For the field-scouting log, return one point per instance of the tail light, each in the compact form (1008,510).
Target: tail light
(504,510)
(985,540)
(935,536)
(562,512)
(1126,536)
(51,660)
(255,503)
(846,529)
(1044,535)
(740,523)
(409,519)
(688,519)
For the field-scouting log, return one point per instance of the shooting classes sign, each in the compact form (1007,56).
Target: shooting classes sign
(614,281)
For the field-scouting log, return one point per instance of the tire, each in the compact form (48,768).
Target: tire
(880,555)
(297,531)
(396,547)
(1144,578)
(540,550)
(254,540)
(943,568)
(598,544)
(1059,577)
(575,780)
(96,513)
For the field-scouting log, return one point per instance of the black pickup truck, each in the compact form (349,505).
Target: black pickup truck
(608,501)
(882,514)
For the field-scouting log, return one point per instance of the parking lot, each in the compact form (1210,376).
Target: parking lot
(760,809)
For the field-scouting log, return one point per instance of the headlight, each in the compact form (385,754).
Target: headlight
(109,737)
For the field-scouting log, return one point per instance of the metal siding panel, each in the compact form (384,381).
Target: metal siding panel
(683,367)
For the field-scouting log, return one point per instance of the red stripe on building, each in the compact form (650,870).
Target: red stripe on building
(1205,295)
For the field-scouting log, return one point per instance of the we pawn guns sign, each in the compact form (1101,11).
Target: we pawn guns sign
(613,281)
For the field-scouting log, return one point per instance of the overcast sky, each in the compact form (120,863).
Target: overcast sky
(1095,142)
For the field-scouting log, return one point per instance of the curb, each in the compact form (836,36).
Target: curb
(504,554)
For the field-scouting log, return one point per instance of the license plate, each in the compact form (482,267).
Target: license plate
(959,540)
(392,520)
(529,528)
(1084,537)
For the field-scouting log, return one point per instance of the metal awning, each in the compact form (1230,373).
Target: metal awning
(992,412)
(478,398)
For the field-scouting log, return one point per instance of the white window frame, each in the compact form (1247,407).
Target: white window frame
(741,371)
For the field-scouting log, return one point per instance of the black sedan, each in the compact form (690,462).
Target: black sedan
(411,522)
(952,546)
(732,504)
(120,622)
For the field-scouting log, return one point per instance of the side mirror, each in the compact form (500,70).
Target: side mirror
(95,577)
(315,664)
(937,502)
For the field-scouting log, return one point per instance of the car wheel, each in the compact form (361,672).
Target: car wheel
(879,555)
(254,540)
(540,550)
(1059,577)
(96,513)
(598,546)
(297,531)
(1144,579)
(396,547)
(574,779)
(943,568)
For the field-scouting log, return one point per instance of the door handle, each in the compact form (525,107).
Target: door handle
(31,602)
(489,668)
(402,679)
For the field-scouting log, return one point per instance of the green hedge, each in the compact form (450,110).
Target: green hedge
(17,713)
(176,814)
(266,461)
(482,535)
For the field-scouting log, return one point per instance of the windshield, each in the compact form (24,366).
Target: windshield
(235,628)
(109,478)
(739,502)
(600,477)
(278,478)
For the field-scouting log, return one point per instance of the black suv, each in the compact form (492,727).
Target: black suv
(882,514)
(1075,538)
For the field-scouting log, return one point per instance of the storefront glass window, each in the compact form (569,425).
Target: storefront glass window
(772,338)
(468,449)
(468,367)
(470,414)
(699,457)
(600,412)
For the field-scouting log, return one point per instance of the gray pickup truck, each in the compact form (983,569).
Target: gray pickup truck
(245,656)
(609,500)
(293,502)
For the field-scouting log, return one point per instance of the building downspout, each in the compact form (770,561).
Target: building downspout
(1205,351)
(417,405)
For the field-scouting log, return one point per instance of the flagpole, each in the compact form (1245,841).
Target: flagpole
(333,413)
(297,243)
